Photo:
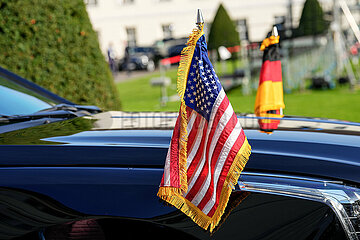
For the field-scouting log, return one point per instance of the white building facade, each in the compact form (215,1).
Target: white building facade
(142,22)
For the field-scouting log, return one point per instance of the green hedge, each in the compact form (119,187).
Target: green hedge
(52,43)
(312,20)
(222,31)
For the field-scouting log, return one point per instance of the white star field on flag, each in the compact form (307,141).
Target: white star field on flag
(203,86)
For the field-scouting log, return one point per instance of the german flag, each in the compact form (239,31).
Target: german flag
(269,101)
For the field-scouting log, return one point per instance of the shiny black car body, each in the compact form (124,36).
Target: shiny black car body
(62,163)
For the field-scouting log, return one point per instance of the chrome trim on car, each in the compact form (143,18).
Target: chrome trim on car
(343,200)
(291,177)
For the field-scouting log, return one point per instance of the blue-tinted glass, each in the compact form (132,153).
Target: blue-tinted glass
(13,102)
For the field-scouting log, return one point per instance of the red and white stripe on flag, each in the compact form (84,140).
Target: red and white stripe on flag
(207,151)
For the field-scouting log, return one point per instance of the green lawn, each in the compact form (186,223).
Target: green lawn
(139,95)
(340,103)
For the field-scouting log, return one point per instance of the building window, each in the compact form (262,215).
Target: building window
(131,36)
(91,2)
(168,30)
(242,28)
(279,19)
(126,2)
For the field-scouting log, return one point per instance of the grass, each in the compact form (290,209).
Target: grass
(339,103)
(139,95)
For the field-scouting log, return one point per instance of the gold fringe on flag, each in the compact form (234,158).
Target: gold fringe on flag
(185,60)
(182,73)
(174,196)
(231,180)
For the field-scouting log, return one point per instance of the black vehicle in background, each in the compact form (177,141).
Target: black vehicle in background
(175,50)
(170,47)
(139,58)
(147,58)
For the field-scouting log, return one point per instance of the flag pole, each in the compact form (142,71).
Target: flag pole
(275,32)
(199,19)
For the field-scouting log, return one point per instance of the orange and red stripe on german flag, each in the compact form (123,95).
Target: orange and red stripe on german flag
(269,98)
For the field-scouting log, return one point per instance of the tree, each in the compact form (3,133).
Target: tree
(222,31)
(52,43)
(312,20)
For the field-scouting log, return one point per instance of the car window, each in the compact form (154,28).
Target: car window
(135,50)
(17,100)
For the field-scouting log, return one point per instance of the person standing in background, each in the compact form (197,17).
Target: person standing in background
(111,57)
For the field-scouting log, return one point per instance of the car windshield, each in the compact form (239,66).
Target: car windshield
(140,50)
(18,100)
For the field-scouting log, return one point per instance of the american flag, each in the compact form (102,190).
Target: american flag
(208,149)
